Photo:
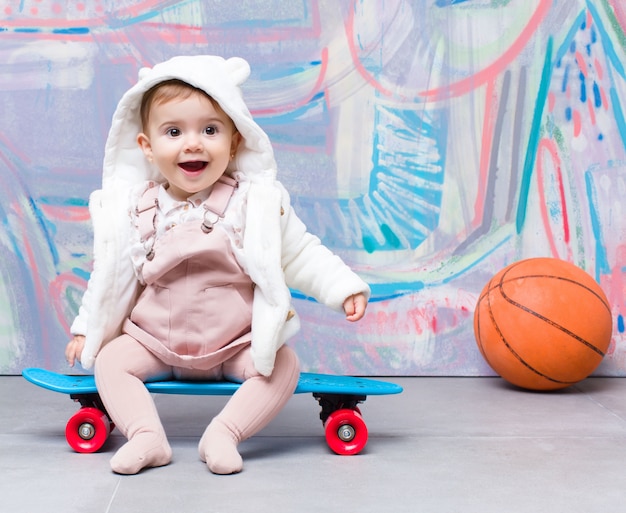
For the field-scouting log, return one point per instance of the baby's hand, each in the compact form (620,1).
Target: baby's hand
(74,349)
(354,307)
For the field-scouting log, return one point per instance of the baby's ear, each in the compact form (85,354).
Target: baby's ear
(236,141)
(144,143)
(239,69)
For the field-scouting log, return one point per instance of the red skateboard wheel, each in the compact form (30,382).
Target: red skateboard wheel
(346,432)
(87,430)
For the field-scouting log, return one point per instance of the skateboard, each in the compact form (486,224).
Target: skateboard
(339,396)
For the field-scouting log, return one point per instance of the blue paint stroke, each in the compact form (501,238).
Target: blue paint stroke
(597,98)
(583,87)
(607,43)
(278,72)
(533,142)
(72,31)
(47,229)
(35,30)
(81,273)
(403,203)
(448,3)
(618,114)
(63,202)
(602,263)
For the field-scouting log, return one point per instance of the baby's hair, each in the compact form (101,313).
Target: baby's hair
(166,91)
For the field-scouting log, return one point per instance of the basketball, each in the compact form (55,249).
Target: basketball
(542,324)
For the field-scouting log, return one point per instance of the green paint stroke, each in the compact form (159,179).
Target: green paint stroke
(533,141)
(619,31)
(500,3)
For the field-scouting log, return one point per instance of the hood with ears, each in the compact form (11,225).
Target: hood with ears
(125,163)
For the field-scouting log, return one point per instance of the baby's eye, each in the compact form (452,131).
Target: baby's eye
(173,132)
(210,130)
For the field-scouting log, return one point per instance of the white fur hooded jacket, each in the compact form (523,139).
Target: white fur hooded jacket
(278,251)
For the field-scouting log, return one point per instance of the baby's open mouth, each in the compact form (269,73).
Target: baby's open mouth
(194,166)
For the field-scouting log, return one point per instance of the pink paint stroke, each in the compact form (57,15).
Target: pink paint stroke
(549,146)
(467,84)
(57,289)
(491,109)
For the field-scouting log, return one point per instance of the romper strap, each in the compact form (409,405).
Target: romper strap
(222,191)
(146,211)
(217,202)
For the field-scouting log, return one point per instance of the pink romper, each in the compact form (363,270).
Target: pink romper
(196,309)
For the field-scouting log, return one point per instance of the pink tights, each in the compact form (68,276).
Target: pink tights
(124,364)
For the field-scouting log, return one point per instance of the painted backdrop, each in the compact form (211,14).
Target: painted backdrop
(428,142)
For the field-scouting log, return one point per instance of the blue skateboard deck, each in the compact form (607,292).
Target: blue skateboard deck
(338,396)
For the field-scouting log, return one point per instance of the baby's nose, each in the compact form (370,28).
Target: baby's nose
(192,143)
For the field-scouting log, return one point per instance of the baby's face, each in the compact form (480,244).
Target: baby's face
(191,141)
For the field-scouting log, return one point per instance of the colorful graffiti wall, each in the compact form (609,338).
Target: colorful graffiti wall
(428,142)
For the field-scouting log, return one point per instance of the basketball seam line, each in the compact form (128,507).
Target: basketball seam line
(502,281)
(549,321)
(512,266)
(516,355)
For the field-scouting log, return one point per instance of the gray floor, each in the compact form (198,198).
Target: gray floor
(444,445)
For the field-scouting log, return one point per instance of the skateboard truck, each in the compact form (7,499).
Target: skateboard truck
(88,400)
(332,402)
(344,428)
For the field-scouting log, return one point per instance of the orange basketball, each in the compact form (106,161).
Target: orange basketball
(543,324)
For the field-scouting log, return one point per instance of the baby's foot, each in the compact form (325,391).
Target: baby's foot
(142,451)
(218,449)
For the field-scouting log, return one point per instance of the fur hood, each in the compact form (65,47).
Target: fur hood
(220,78)
(269,219)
